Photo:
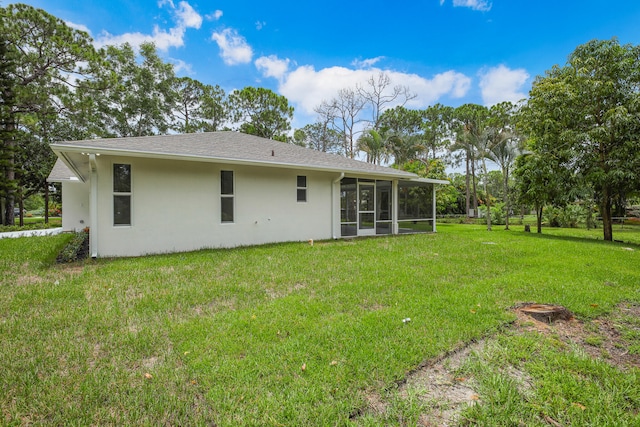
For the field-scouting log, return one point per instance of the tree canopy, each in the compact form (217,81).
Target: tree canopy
(577,139)
(585,118)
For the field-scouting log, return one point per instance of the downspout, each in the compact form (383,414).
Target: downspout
(334,218)
(394,207)
(93,206)
(433,206)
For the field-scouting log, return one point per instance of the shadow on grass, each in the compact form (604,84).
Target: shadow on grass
(583,239)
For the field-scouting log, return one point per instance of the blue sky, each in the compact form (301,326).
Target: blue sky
(446,51)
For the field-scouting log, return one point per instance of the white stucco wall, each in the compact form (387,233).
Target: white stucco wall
(75,205)
(176,207)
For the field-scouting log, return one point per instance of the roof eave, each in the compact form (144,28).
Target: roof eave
(61,149)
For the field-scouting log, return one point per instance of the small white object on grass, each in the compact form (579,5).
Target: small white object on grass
(407,320)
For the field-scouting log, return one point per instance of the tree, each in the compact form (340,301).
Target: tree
(436,127)
(401,121)
(136,99)
(198,107)
(188,96)
(586,114)
(343,113)
(536,183)
(504,154)
(468,124)
(506,148)
(261,112)
(213,112)
(378,95)
(406,148)
(41,58)
(318,136)
(374,144)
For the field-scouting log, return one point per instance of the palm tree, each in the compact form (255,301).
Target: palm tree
(375,145)
(504,154)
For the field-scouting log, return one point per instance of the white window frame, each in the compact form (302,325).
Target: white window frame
(122,193)
(305,188)
(228,196)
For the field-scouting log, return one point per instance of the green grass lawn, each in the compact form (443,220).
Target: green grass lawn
(32,223)
(287,334)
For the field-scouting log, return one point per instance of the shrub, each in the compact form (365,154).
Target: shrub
(497,213)
(551,216)
(76,249)
(571,215)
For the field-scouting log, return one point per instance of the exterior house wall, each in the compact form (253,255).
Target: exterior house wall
(175,206)
(75,202)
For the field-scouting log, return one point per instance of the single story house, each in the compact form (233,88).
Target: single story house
(172,193)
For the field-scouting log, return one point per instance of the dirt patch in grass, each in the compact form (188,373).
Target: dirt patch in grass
(600,338)
(444,393)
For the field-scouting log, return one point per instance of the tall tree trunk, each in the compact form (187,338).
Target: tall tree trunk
(506,199)
(475,190)
(468,187)
(21,214)
(539,218)
(10,174)
(487,197)
(605,212)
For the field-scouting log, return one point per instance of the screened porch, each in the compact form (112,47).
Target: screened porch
(377,207)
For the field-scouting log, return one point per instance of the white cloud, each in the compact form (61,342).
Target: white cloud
(501,83)
(272,66)
(79,27)
(366,63)
(260,25)
(180,66)
(217,14)
(481,5)
(162,39)
(307,88)
(185,17)
(234,48)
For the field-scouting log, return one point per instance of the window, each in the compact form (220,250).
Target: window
(302,188)
(226,196)
(121,194)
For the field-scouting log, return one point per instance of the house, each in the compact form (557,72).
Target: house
(174,193)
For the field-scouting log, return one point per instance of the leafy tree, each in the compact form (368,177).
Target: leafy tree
(261,112)
(537,184)
(406,148)
(320,137)
(401,121)
(506,148)
(41,58)
(436,126)
(188,95)
(586,115)
(375,145)
(130,98)
(198,107)
(468,124)
(213,113)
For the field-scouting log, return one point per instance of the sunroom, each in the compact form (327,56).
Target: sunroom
(377,207)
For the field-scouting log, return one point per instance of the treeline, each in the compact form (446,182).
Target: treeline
(575,140)
(55,85)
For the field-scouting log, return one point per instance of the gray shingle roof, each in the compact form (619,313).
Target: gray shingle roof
(229,146)
(61,172)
